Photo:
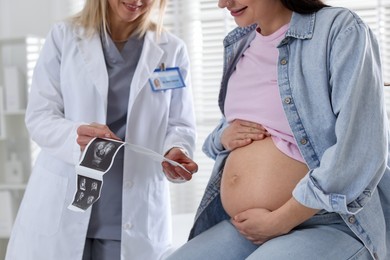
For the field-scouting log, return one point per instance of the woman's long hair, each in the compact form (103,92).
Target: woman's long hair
(94,18)
(303,6)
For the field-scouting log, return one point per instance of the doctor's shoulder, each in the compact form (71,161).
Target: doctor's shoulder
(172,40)
(56,39)
(63,30)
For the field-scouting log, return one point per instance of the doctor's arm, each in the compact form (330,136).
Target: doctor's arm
(45,113)
(179,143)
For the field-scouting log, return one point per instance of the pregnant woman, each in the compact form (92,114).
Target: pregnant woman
(301,168)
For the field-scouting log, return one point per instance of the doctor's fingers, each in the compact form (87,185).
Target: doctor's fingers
(87,132)
(191,166)
(175,172)
(96,130)
(187,175)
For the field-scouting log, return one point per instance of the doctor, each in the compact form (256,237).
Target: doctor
(92,80)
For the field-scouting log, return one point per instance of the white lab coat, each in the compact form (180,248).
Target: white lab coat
(69,88)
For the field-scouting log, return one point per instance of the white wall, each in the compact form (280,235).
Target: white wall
(29,17)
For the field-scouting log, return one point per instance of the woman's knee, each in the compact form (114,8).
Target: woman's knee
(322,243)
(222,241)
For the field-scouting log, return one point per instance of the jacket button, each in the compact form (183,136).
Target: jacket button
(303,141)
(287,100)
(283,62)
(376,256)
(352,219)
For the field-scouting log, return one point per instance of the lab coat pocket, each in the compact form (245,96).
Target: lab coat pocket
(159,224)
(43,202)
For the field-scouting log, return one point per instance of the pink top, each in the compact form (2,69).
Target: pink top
(253,92)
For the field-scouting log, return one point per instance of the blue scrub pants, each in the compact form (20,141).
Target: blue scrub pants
(323,236)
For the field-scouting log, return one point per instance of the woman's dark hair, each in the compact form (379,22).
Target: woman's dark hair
(303,6)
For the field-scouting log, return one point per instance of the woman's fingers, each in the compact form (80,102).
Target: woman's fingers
(251,128)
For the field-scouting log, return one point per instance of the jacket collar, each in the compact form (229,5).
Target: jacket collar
(301,27)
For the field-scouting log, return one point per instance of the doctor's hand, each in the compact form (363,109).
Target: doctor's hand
(87,132)
(241,133)
(175,173)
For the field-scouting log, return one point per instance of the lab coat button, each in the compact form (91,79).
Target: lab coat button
(128,184)
(127,226)
(352,219)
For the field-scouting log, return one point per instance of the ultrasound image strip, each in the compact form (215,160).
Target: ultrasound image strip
(97,160)
(100,153)
(88,192)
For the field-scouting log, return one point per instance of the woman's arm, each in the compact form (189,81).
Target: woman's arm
(181,131)
(351,168)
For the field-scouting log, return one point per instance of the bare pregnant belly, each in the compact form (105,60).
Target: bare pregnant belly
(259,175)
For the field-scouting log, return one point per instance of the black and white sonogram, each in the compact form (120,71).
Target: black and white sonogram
(88,192)
(96,161)
(100,153)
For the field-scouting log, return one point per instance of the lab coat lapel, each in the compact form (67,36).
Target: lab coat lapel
(151,58)
(92,53)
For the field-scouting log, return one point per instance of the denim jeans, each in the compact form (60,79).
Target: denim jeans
(324,236)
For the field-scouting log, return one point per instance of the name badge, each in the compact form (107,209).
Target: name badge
(169,78)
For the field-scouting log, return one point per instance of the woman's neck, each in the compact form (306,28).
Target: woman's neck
(120,31)
(272,22)
(119,36)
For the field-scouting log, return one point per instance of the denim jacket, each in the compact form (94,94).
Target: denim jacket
(331,88)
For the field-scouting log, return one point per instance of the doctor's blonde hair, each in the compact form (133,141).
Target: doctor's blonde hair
(94,18)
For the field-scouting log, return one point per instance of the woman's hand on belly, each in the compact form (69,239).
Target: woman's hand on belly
(257,225)
(260,225)
(241,133)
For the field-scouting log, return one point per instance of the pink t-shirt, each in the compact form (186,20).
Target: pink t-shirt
(253,92)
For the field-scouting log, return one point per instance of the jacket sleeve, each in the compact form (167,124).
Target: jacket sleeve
(350,169)
(45,118)
(212,146)
(181,130)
